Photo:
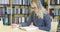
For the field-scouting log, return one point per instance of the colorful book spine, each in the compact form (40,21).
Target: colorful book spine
(20,20)
(5,22)
(5,12)
(13,20)
(55,11)
(6,1)
(59,12)
(20,2)
(27,11)
(23,19)
(23,10)
(8,10)
(28,2)
(17,20)
(18,10)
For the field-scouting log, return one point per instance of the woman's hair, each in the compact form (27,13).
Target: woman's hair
(39,10)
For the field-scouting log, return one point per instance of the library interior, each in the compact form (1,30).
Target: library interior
(27,15)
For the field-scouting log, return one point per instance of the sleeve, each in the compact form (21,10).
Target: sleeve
(28,22)
(47,23)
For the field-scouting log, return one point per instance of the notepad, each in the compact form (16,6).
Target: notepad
(29,28)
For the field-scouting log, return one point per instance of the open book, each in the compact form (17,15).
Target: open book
(28,28)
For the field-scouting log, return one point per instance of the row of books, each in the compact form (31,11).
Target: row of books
(6,20)
(19,2)
(19,20)
(55,12)
(54,1)
(14,11)
(4,1)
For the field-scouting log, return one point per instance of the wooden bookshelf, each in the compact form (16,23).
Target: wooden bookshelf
(10,5)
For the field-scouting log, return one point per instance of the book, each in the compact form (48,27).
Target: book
(5,12)
(15,2)
(25,2)
(8,10)
(18,10)
(13,10)
(17,20)
(29,28)
(52,1)
(6,1)
(28,2)
(5,21)
(27,11)
(20,20)
(59,11)
(58,1)
(0,1)
(55,11)
(13,19)
(23,19)
(20,2)
(9,19)
(1,11)
(23,10)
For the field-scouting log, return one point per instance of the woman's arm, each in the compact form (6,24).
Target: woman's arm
(30,19)
(47,22)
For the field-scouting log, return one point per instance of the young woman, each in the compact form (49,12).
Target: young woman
(39,17)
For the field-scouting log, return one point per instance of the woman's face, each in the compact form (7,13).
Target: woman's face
(33,6)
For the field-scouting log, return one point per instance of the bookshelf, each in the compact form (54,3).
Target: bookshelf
(54,10)
(13,9)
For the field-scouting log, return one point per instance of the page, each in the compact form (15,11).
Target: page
(29,28)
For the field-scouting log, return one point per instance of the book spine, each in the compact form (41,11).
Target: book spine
(20,2)
(18,10)
(20,20)
(17,20)
(23,19)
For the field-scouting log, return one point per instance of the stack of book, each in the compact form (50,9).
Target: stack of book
(54,2)
(4,1)
(25,11)
(20,20)
(54,12)
(22,11)
(7,10)
(21,2)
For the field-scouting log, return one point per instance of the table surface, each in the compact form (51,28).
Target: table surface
(10,29)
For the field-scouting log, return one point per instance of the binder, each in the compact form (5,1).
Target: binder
(59,12)
(28,2)
(6,1)
(18,10)
(8,10)
(17,20)
(13,20)
(5,21)
(23,10)
(27,11)
(23,19)
(0,1)
(20,2)
(20,20)
(5,12)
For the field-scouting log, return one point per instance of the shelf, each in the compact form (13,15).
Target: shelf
(54,4)
(20,15)
(19,5)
